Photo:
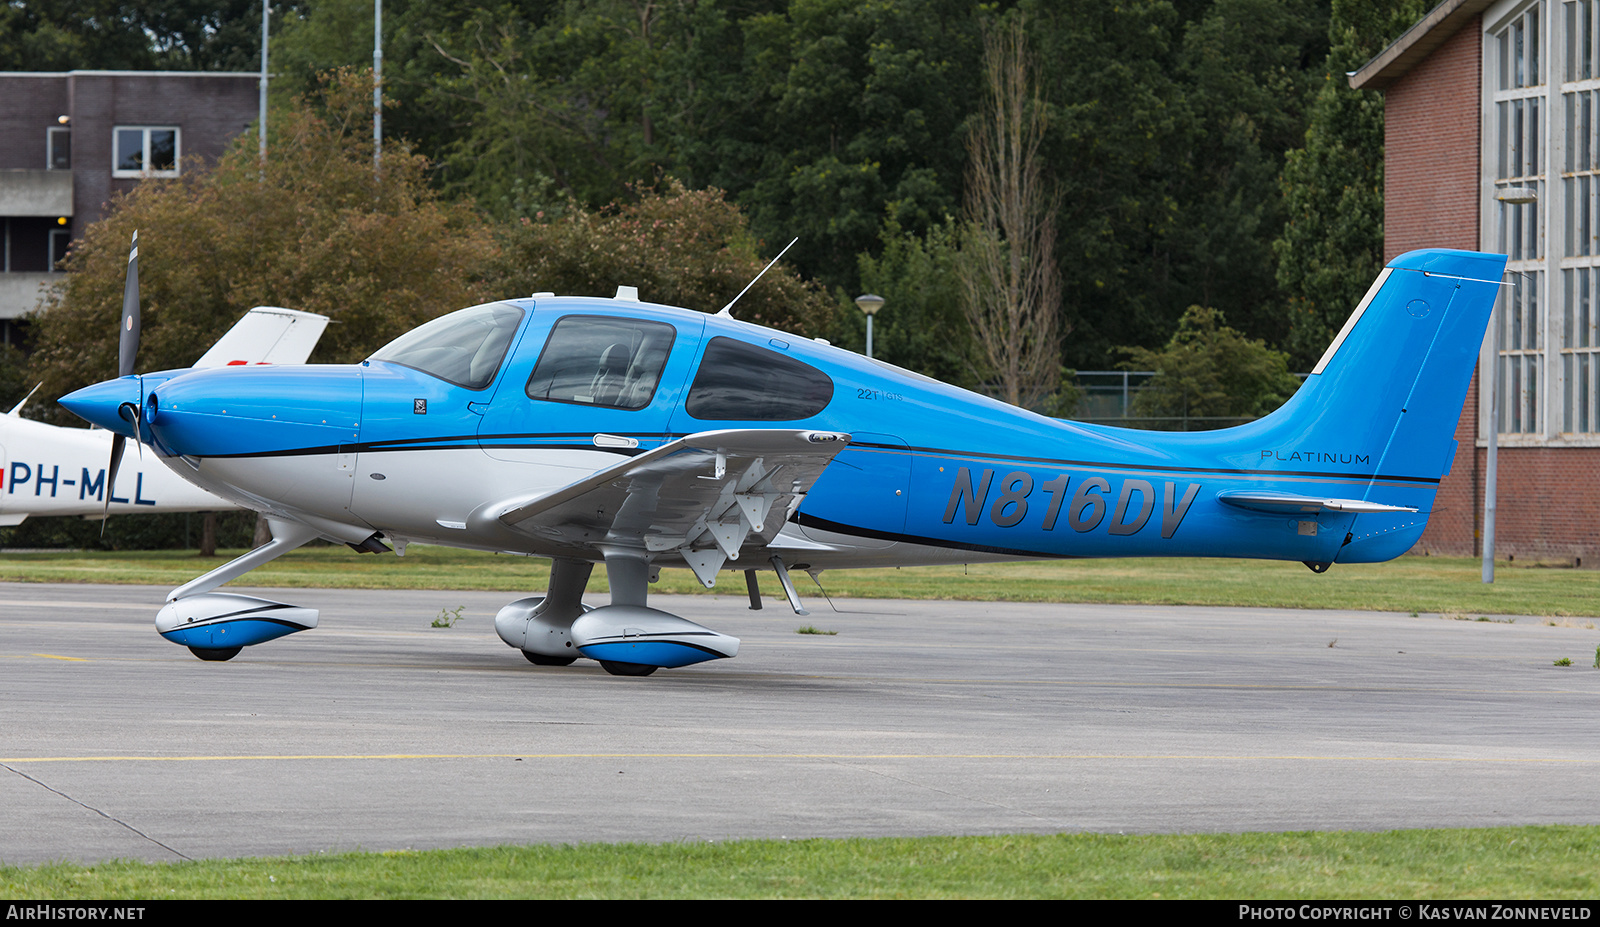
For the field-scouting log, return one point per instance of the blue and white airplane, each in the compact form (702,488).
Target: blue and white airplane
(642,436)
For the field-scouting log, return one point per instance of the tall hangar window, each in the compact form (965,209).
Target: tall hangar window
(608,362)
(744,383)
(1541,82)
(1579,370)
(1520,118)
(145,151)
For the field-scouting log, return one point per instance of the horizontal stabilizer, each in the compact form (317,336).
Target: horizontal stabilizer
(1278,503)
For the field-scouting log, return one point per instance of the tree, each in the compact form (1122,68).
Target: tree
(922,326)
(62,35)
(688,248)
(1332,244)
(1010,287)
(1209,370)
(312,229)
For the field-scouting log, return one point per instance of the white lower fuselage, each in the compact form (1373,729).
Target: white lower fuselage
(437,496)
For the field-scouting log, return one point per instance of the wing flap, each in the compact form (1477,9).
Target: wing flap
(705,498)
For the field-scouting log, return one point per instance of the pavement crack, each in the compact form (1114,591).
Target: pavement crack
(112,818)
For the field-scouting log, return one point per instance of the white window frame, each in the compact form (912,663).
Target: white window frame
(59,240)
(177,152)
(52,135)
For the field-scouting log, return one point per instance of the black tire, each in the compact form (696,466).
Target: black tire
(215,654)
(627,669)
(539,659)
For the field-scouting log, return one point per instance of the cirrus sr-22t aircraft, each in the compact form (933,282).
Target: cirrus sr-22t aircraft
(641,436)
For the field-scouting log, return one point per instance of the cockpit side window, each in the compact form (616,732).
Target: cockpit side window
(464,348)
(741,382)
(602,361)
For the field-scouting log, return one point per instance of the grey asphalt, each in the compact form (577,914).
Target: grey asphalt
(377,732)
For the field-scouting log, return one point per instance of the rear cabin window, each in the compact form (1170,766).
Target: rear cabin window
(741,382)
(464,347)
(609,362)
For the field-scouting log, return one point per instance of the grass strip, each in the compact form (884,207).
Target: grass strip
(1499,863)
(1426,585)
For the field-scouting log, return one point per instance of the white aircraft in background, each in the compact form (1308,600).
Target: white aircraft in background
(50,470)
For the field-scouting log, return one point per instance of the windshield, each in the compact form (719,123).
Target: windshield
(464,348)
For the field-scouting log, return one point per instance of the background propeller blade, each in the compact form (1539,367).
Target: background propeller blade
(128,343)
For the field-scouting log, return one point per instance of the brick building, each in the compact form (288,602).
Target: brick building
(1491,118)
(70,140)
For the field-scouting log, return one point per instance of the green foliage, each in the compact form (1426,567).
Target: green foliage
(829,120)
(60,35)
(1248,71)
(14,383)
(171,531)
(921,326)
(813,629)
(1564,661)
(1445,586)
(1211,371)
(816,114)
(680,247)
(1332,245)
(856,109)
(313,230)
(1555,862)
(1169,127)
(447,617)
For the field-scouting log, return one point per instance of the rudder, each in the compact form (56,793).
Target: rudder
(1391,386)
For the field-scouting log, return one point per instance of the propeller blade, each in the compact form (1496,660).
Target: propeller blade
(128,331)
(127,350)
(118,444)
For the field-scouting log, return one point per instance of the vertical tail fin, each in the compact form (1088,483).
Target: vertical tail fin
(1391,386)
(1384,401)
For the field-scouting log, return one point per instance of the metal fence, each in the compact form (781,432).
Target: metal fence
(1107,396)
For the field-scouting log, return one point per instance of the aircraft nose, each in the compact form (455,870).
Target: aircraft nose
(101,403)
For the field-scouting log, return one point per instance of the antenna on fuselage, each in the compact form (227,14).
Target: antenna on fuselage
(727,310)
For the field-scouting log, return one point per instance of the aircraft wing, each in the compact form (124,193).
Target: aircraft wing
(706,497)
(267,335)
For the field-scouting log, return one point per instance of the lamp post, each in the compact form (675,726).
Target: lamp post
(870,304)
(377,85)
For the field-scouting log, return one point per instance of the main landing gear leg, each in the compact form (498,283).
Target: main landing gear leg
(541,626)
(628,575)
